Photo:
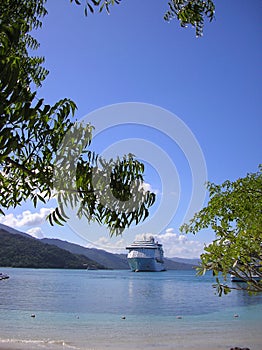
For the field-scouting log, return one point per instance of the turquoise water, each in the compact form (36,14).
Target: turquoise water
(123,310)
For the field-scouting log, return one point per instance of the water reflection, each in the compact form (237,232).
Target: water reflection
(169,293)
(177,292)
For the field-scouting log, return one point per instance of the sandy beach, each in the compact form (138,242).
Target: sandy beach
(205,341)
(203,347)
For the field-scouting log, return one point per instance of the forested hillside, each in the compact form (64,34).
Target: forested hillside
(19,251)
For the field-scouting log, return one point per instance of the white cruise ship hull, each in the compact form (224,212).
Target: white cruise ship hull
(146,255)
(145,264)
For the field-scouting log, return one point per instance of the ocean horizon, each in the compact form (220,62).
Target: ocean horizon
(120,309)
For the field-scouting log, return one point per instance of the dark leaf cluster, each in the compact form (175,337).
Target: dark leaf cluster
(109,192)
(191,12)
(91,5)
(30,130)
(42,152)
(187,12)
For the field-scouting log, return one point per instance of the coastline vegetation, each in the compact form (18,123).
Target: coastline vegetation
(234,213)
(19,251)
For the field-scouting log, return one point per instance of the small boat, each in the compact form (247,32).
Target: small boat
(244,278)
(146,255)
(3,276)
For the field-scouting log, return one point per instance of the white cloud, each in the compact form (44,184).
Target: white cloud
(147,187)
(27,218)
(174,244)
(169,230)
(35,232)
(114,246)
(177,245)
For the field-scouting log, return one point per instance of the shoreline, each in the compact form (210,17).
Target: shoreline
(175,334)
(195,341)
(185,347)
(208,347)
(222,331)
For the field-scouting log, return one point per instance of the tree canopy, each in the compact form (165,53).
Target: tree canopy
(33,133)
(234,213)
(40,144)
(187,12)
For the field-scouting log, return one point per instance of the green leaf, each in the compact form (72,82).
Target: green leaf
(61,218)
(90,8)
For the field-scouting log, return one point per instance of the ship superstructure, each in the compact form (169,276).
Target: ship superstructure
(146,255)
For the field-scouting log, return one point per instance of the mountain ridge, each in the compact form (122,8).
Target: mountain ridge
(110,260)
(193,261)
(17,250)
(100,257)
(14,231)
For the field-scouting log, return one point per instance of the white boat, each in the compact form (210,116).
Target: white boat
(244,278)
(3,276)
(146,255)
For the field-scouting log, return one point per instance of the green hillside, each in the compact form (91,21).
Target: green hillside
(111,261)
(19,251)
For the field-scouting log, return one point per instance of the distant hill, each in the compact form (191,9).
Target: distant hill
(13,253)
(194,262)
(111,261)
(18,250)
(173,265)
(13,231)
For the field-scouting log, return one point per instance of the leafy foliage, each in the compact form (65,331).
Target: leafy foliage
(187,12)
(234,213)
(43,154)
(108,192)
(91,5)
(116,189)
(191,12)
(30,130)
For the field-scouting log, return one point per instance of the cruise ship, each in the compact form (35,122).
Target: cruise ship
(146,255)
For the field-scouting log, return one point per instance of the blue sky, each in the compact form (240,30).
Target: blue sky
(211,84)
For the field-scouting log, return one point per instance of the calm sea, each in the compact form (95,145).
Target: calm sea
(99,310)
